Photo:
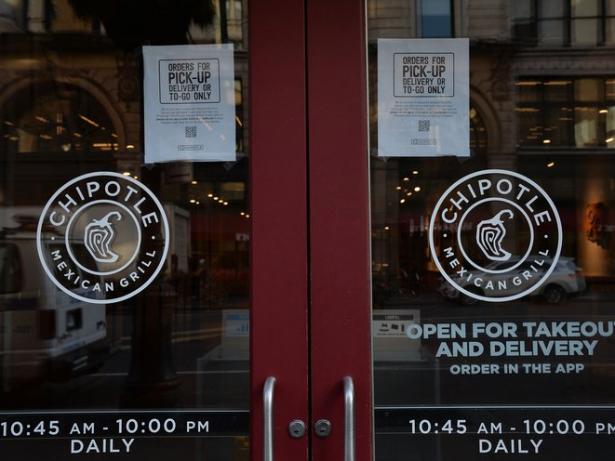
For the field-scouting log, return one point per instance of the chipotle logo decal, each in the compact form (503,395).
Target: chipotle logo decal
(103,237)
(495,235)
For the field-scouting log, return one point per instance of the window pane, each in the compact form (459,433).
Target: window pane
(610,128)
(584,32)
(557,90)
(71,109)
(47,120)
(436,7)
(609,36)
(586,126)
(234,20)
(522,9)
(587,89)
(551,9)
(563,100)
(524,30)
(558,127)
(610,7)
(10,269)
(436,18)
(478,133)
(610,89)
(529,90)
(530,126)
(584,8)
(551,33)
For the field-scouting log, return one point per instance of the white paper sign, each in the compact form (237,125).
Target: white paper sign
(423,97)
(392,323)
(236,323)
(189,103)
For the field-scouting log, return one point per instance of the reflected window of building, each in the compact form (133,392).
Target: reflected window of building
(43,16)
(10,268)
(12,16)
(227,25)
(556,23)
(551,22)
(55,117)
(584,23)
(609,23)
(436,18)
(233,21)
(566,112)
(478,133)
(523,21)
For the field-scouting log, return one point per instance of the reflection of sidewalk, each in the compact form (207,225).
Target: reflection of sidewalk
(421,300)
(434,299)
(596,296)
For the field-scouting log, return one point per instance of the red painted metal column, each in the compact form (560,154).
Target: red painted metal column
(279,342)
(339,222)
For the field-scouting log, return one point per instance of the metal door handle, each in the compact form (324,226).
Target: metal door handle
(349,419)
(268,418)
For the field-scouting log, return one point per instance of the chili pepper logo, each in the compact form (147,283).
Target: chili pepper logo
(99,235)
(489,236)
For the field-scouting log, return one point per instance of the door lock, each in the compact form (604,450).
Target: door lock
(322,428)
(296,429)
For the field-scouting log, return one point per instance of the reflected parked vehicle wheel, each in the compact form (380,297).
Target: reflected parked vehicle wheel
(554,294)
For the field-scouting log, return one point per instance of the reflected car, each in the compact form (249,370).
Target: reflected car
(567,279)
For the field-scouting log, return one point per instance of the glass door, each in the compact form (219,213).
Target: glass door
(470,144)
(491,258)
(152,278)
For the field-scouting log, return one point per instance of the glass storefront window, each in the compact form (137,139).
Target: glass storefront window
(56,117)
(552,9)
(610,23)
(561,23)
(10,269)
(547,113)
(588,90)
(584,32)
(436,18)
(586,126)
(563,111)
(71,109)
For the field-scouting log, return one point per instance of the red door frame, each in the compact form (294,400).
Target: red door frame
(328,180)
(339,222)
(279,259)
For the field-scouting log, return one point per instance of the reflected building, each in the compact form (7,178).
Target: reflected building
(70,94)
(542,91)
(542,103)
(71,103)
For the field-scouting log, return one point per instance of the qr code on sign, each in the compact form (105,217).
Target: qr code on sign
(191,132)
(424,125)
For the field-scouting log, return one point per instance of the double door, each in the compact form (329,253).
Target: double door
(160,299)
(278,284)
(320,357)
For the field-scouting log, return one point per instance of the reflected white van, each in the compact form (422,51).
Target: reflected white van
(45,334)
